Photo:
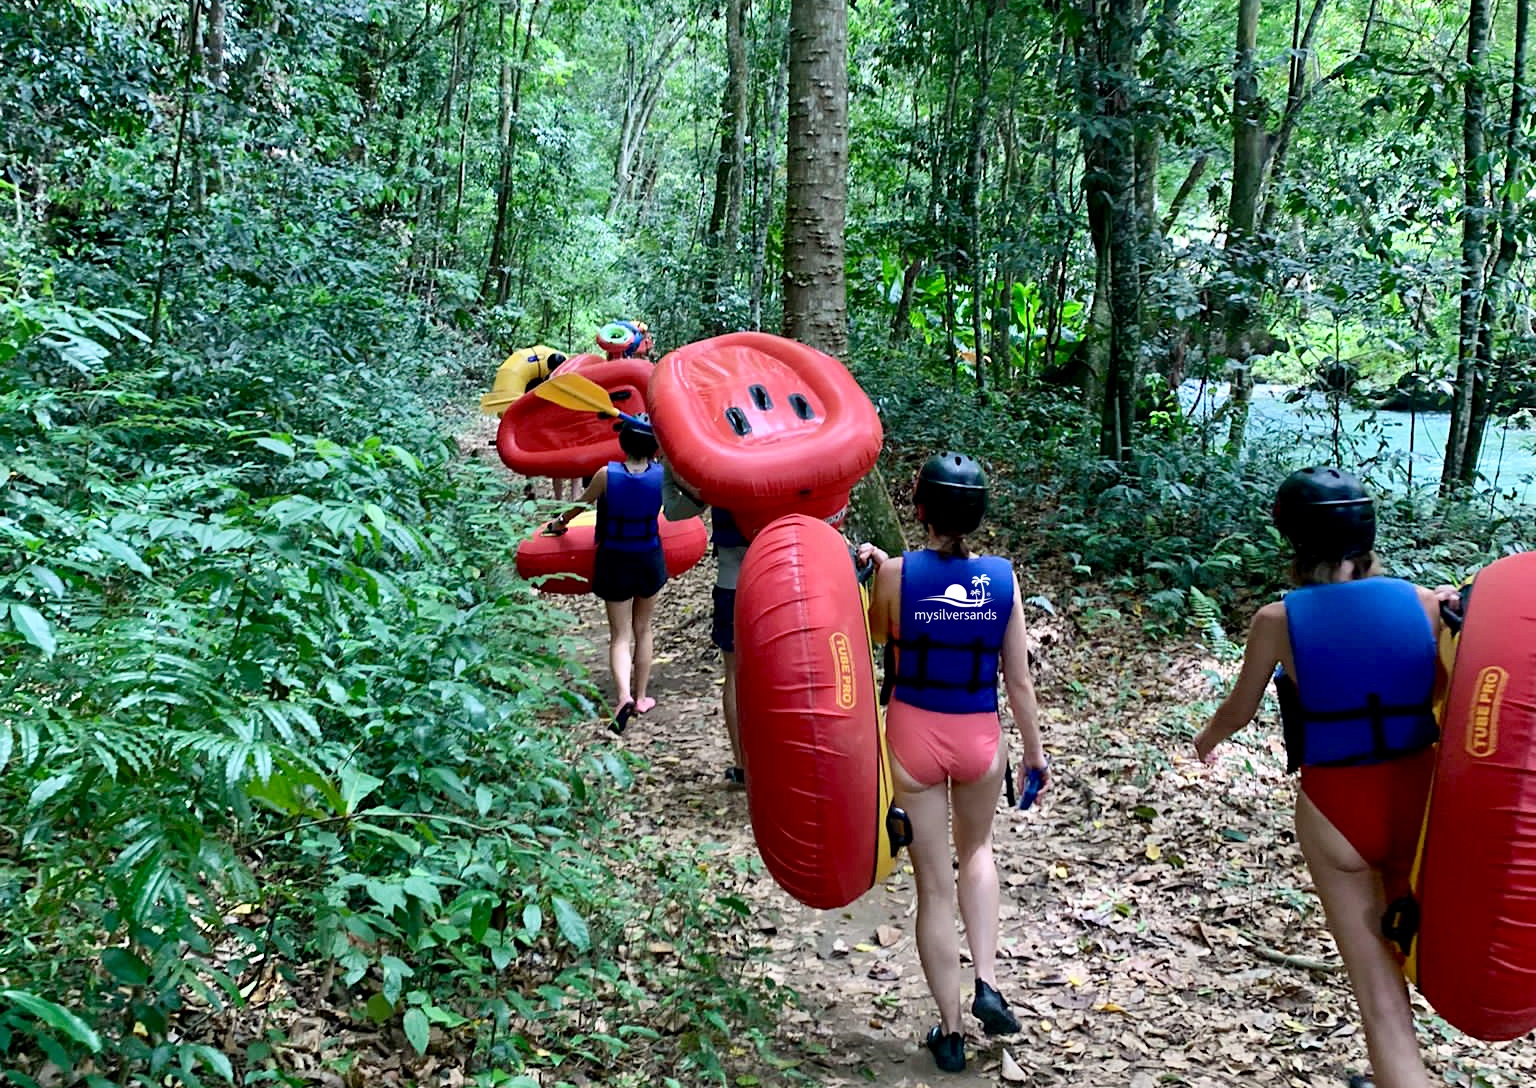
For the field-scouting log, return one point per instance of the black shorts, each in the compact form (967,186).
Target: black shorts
(722,627)
(623,576)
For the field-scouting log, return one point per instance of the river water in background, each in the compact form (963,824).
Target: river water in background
(1401,438)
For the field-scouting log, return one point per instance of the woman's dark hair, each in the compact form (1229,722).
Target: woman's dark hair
(636,438)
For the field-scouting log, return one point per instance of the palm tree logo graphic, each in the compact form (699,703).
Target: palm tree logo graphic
(979,586)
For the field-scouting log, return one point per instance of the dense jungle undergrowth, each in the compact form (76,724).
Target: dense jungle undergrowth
(285,751)
(297,784)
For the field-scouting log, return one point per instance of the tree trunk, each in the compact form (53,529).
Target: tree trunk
(766,202)
(1092,352)
(724,234)
(1243,244)
(901,323)
(971,189)
(1297,95)
(497,285)
(1508,228)
(646,77)
(1473,249)
(815,291)
(1119,60)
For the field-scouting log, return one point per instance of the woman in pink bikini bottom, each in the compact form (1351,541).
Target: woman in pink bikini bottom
(955,620)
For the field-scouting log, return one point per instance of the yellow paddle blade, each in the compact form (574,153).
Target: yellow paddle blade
(577,393)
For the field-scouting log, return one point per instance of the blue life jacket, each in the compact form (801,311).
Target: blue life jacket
(726,534)
(627,512)
(1365,674)
(953,615)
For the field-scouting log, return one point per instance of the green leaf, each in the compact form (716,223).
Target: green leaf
(120,551)
(417,1031)
(123,965)
(48,787)
(47,579)
(55,1016)
(1232,834)
(573,927)
(391,897)
(356,785)
(277,446)
(379,1008)
(31,625)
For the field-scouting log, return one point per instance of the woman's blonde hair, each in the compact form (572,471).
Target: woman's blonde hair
(1317,572)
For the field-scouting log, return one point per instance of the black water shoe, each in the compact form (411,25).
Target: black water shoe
(735,776)
(621,719)
(948,1050)
(990,1008)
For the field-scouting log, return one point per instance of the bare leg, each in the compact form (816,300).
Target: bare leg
(975,805)
(559,486)
(621,646)
(1353,900)
(645,608)
(728,706)
(938,947)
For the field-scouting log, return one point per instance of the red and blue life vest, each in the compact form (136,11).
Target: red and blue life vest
(627,512)
(953,615)
(1365,674)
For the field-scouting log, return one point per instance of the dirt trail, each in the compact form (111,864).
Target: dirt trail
(1157,926)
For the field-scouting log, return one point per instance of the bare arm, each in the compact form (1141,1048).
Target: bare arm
(595,490)
(1266,636)
(884,595)
(1021,686)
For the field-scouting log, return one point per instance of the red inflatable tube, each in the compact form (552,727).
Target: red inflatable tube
(763,426)
(818,785)
(540,438)
(571,554)
(1476,880)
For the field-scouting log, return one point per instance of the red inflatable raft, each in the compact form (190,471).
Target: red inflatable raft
(570,555)
(763,426)
(540,438)
(1475,955)
(818,782)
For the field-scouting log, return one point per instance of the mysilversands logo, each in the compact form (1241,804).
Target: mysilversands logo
(960,605)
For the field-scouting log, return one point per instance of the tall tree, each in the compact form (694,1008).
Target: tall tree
(1248,153)
(497,284)
(724,236)
(816,198)
(1474,240)
(815,204)
(1258,156)
(1109,157)
(1507,229)
(1119,59)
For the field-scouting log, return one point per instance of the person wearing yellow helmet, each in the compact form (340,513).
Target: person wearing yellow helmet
(520,373)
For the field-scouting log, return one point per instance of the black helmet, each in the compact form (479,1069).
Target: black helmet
(952,490)
(636,435)
(1325,514)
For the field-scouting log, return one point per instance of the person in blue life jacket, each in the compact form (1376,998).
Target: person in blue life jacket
(956,619)
(1352,656)
(730,546)
(630,567)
